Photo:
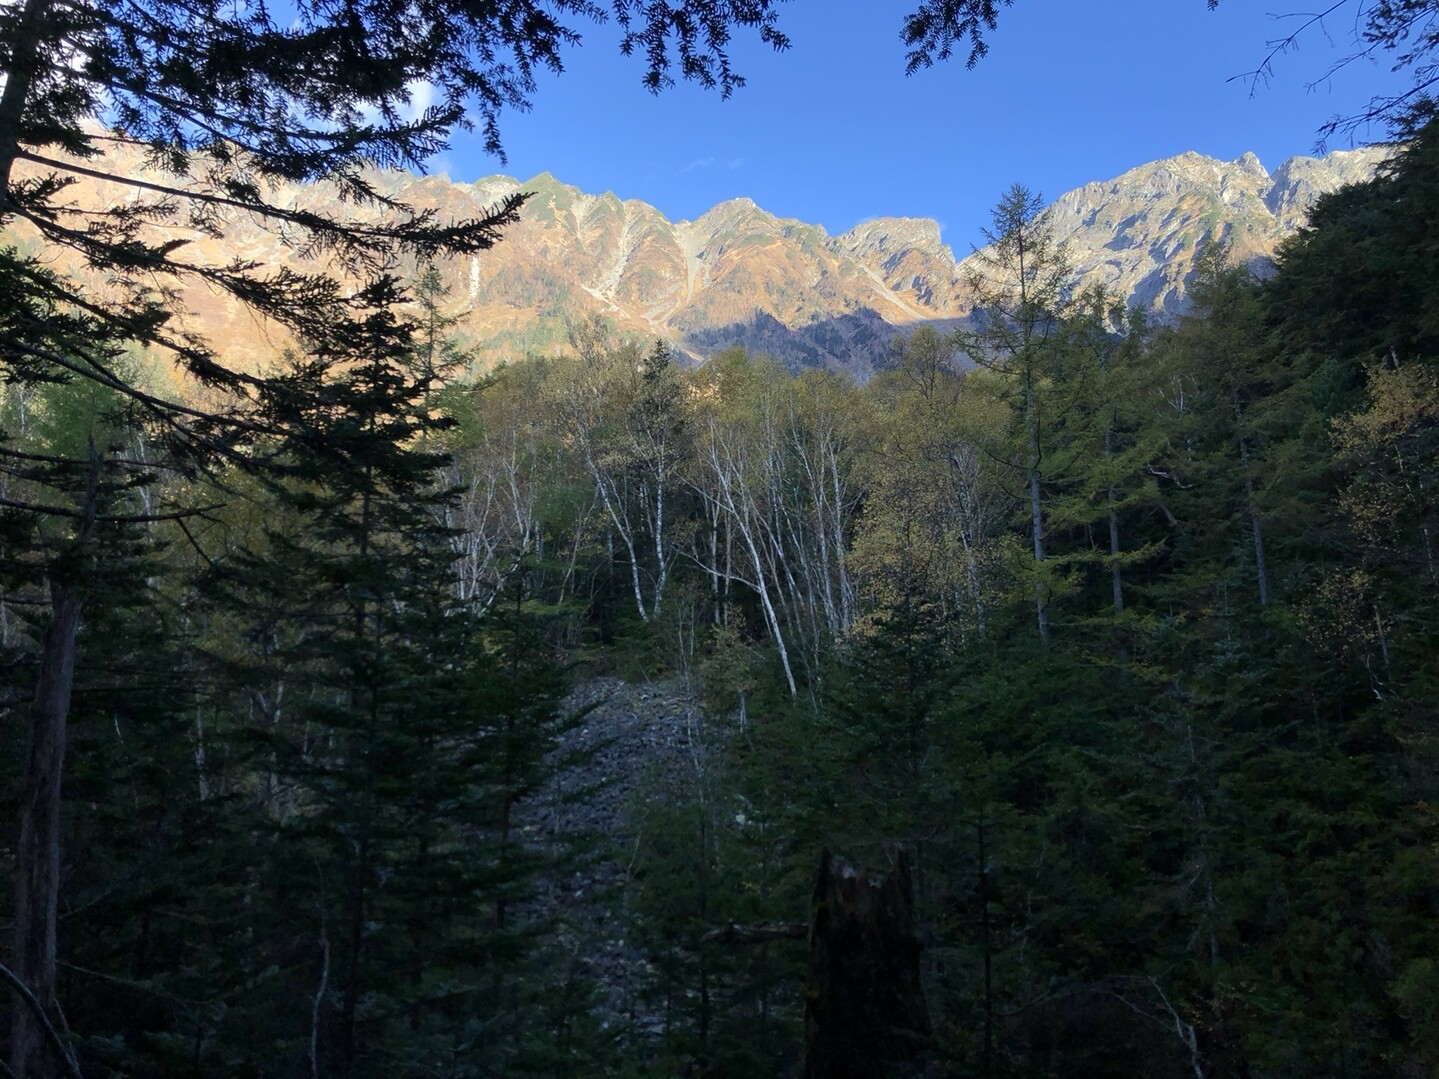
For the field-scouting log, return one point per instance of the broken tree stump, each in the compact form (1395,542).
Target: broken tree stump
(865,1015)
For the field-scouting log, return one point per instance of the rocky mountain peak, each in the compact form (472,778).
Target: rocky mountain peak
(729,215)
(1139,233)
(1249,162)
(1299,182)
(739,275)
(888,236)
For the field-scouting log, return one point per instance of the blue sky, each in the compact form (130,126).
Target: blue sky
(833,132)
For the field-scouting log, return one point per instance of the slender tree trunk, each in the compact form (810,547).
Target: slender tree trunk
(318,1002)
(1256,526)
(846,586)
(1036,519)
(1037,526)
(969,532)
(622,527)
(19,78)
(355,929)
(716,605)
(37,875)
(1116,579)
(37,853)
(704,920)
(769,612)
(988,950)
(662,568)
(741,519)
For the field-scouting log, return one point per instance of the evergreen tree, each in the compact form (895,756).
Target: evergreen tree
(406,737)
(1020,285)
(76,482)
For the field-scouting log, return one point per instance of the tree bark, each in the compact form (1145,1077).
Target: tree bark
(20,77)
(1256,527)
(1036,515)
(1116,578)
(37,852)
(37,856)
(865,1014)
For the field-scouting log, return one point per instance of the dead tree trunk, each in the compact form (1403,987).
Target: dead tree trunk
(865,1015)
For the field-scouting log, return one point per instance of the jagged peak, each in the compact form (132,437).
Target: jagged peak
(729,208)
(1360,157)
(724,217)
(1136,233)
(1192,162)
(1249,161)
(885,234)
(547,179)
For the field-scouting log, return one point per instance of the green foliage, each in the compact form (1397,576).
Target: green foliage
(1188,833)
(1185,828)
(707,857)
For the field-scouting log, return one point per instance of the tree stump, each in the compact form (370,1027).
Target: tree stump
(865,1015)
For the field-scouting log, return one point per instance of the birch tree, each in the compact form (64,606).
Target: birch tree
(775,468)
(623,413)
(514,482)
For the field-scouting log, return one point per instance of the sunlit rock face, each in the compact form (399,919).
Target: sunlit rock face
(1138,234)
(739,275)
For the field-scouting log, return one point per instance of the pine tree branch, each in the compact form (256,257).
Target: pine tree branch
(109,518)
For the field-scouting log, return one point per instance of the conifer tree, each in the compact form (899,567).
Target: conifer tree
(1215,444)
(1020,285)
(74,481)
(404,741)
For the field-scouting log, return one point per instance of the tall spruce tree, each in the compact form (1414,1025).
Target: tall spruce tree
(219,103)
(393,857)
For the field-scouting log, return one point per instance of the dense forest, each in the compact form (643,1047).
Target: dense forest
(1108,647)
(1123,636)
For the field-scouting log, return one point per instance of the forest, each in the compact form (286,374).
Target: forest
(1110,646)
(1123,634)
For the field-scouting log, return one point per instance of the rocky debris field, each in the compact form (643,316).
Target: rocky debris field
(625,733)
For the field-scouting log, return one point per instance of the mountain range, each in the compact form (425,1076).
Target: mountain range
(738,275)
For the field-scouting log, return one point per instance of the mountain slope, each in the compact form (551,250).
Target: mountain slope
(739,275)
(1138,233)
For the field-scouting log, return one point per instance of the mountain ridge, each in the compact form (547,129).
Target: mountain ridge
(740,275)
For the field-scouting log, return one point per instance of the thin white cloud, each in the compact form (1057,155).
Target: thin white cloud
(422,96)
(697,163)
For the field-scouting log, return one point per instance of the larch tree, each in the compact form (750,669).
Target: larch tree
(1020,286)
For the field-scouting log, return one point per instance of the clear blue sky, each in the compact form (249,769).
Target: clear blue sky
(833,132)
